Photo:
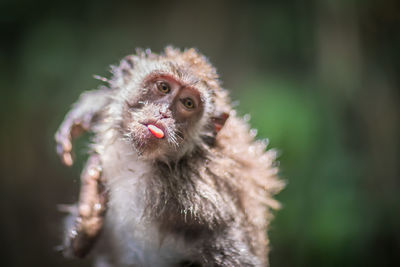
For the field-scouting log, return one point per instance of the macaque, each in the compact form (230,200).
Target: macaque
(175,177)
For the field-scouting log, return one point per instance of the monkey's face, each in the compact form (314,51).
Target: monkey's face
(162,117)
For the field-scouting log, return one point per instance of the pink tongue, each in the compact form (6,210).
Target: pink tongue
(157,132)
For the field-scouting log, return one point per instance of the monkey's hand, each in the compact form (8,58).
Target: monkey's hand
(91,210)
(71,128)
(80,119)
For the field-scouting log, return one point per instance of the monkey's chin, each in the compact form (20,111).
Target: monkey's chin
(148,154)
(149,147)
(155,149)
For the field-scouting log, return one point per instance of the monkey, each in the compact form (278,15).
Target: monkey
(175,177)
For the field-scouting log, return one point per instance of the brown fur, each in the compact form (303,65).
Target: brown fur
(213,186)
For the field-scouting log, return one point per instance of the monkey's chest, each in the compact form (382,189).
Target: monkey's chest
(137,239)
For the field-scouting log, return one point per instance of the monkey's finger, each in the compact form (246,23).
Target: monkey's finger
(65,128)
(63,137)
(67,145)
(84,210)
(59,149)
(64,145)
(66,158)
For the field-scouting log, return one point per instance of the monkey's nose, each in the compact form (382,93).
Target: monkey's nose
(164,112)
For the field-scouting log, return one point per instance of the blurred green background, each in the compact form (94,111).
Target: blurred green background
(319,78)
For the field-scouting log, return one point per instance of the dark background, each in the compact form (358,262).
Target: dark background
(320,79)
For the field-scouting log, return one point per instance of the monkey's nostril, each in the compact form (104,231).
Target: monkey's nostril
(164,113)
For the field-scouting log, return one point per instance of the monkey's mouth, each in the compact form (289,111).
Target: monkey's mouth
(156,129)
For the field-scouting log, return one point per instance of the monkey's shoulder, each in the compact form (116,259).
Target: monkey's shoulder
(237,146)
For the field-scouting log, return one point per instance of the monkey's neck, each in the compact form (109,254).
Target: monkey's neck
(185,197)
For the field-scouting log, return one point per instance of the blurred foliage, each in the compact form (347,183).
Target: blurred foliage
(319,78)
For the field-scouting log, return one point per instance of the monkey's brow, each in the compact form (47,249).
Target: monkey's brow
(189,82)
(156,73)
(194,82)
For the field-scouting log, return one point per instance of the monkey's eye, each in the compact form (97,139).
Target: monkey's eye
(163,87)
(188,103)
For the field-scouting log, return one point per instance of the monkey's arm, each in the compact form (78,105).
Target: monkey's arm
(91,210)
(79,119)
(89,216)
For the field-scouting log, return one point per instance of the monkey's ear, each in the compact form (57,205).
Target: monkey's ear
(219,121)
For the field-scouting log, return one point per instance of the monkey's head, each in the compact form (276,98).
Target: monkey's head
(168,104)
